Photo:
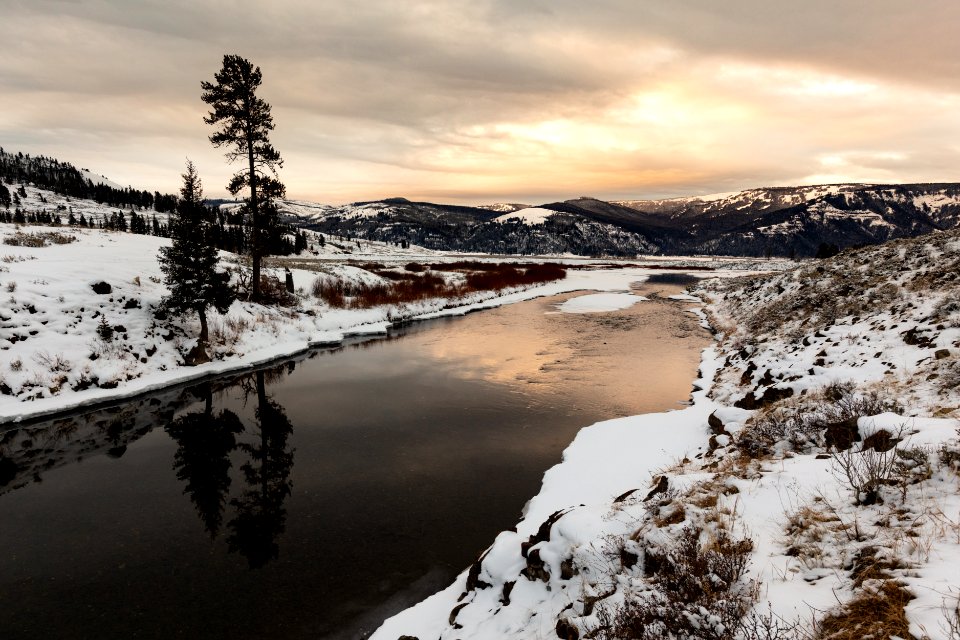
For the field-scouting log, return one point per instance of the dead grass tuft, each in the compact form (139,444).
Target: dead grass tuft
(877,613)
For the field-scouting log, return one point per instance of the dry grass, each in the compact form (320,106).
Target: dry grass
(416,283)
(878,614)
(38,239)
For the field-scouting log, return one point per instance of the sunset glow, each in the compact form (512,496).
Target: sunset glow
(497,101)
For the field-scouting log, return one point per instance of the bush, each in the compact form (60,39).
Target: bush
(38,239)
(699,592)
(406,288)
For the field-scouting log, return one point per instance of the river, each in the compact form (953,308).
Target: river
(316,497)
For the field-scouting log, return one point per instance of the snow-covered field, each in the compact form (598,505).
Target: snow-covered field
(63,345)
(835,481)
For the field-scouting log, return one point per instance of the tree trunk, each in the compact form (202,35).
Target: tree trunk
(204,337)
(254,221)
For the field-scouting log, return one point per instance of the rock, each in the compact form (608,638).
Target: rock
(507,588)
(715,424)
(132,303)
(102,288)
(663,483)
(408,638)
(940,354)
(119,328)
(841,435)
(880,441)
(566,630)
(453,613)
(536,568)
(567,570)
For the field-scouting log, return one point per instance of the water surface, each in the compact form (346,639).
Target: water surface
(315,498)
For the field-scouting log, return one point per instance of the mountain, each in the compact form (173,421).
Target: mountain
(756,222)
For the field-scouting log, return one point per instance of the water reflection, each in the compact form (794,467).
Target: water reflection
(205,441)
(260,516)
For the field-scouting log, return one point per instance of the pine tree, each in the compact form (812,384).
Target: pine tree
(190,262)
(244,122)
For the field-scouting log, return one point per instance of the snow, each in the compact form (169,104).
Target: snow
(795,506)
(49,324)
(531,215)
(96,178)
(600,302)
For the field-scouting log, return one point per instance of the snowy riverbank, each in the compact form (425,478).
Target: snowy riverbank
(57,357)
(830,490)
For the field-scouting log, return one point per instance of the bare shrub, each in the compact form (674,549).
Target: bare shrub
(802,423)
(949,454)
(866,470)
(951,617)
(16,365)
(55,363)
(698,592)
(38,239)
(770,626)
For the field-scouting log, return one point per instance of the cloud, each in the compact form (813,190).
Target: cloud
(495,99)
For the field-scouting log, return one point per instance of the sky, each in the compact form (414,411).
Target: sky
(481,101)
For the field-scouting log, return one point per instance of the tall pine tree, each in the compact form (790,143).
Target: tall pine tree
(190,262)
(244,123)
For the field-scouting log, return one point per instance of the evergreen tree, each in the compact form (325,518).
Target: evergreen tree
(190,262)
(4,196)
(244,122)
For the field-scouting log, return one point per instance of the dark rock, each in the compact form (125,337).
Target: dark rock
(716,426)
(841,435)
(566,630)
(940,354)
(880,441)
(507,589)
(775,394)
(102,288)
(543,533)
(119,328)
(408,638)
(132,303)
(453,613)
(473,576)
(663,483)
(567,570)
(535,569)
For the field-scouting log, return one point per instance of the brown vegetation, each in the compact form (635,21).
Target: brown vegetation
(417,283)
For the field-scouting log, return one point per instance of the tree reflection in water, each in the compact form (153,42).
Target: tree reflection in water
(260,515)
(204,443)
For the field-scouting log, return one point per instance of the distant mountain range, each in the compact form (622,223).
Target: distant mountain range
(779,221)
